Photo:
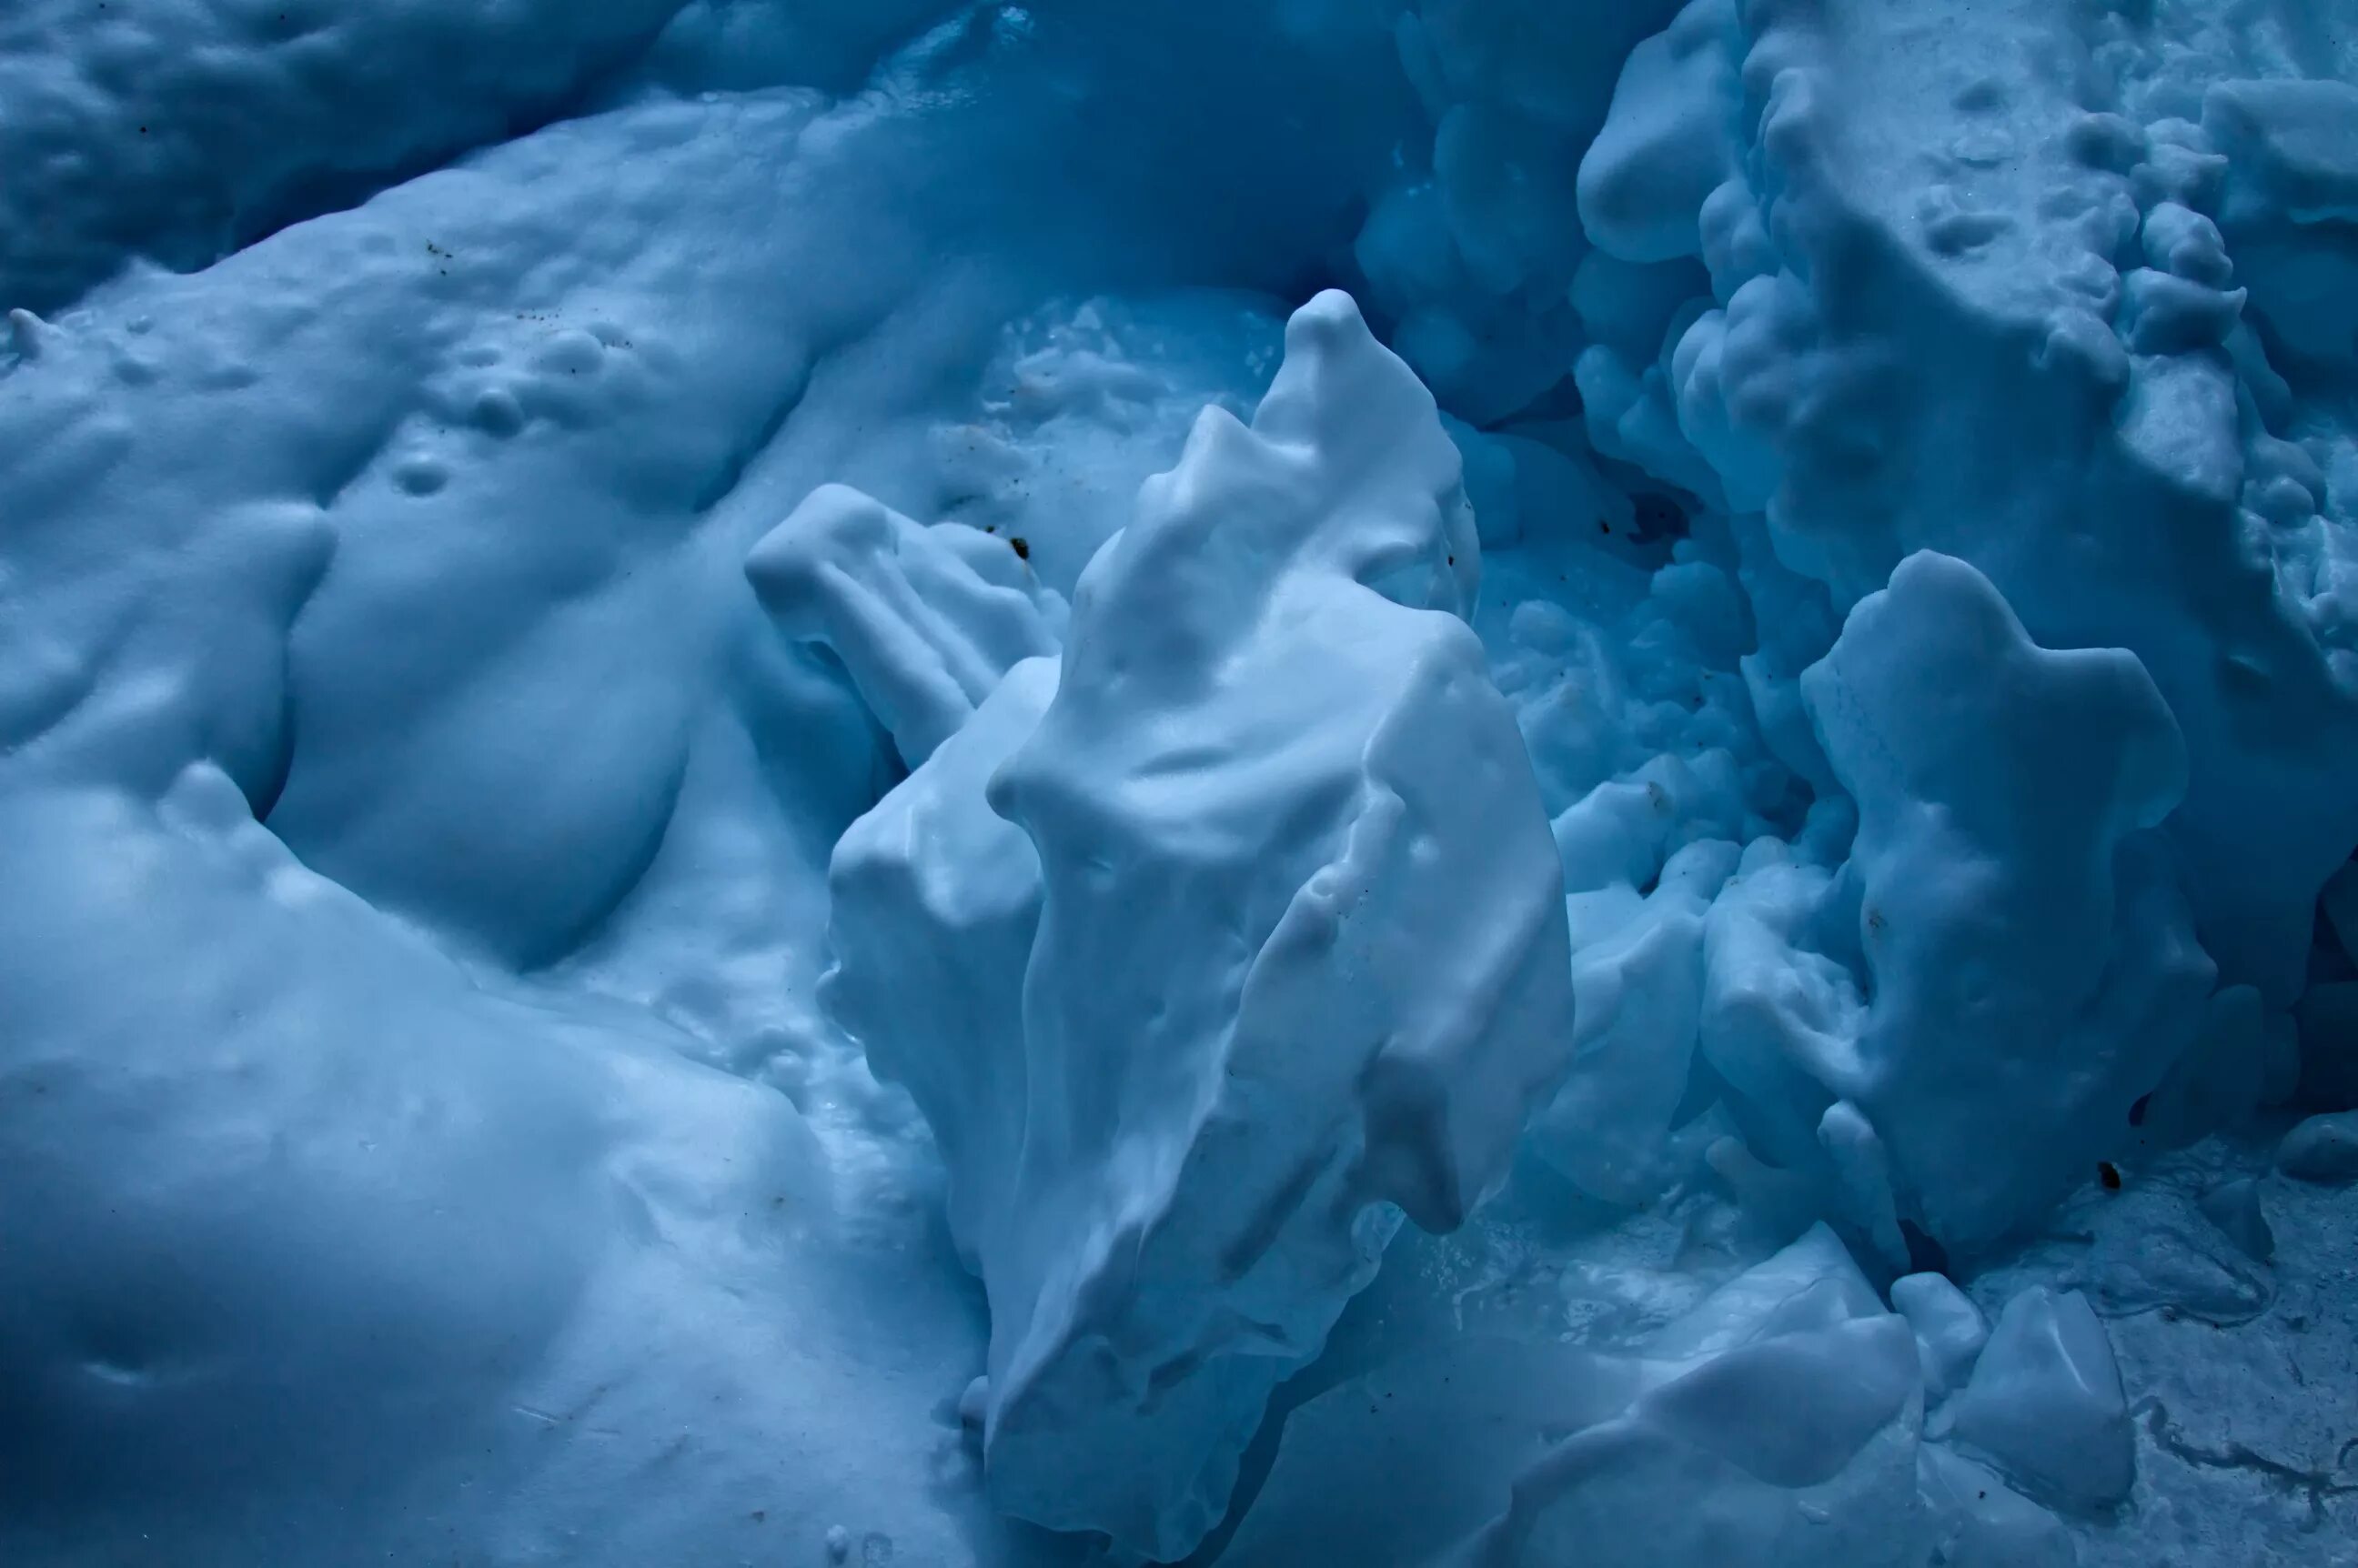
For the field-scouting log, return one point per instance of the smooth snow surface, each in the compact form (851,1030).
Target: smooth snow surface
(1421,784)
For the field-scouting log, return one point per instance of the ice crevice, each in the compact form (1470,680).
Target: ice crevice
(753,808)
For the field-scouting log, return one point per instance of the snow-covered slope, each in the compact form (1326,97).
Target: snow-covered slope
(772,776)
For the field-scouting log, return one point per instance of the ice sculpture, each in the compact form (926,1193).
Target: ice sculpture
(1300,951)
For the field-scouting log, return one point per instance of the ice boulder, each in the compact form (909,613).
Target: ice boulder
(1951,1029)
(1301,961)
(2323,1149)
(2033,964)
(2045,1405)
(2233,1208)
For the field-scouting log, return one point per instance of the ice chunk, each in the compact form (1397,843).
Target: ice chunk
(922,633)
(1299,960)
(1861,1168)
(1778,1416)
(2034,969)
(1853,1379)
(2324,1149)
(2045,1403)
(1979,1522)
(2004,795)
(1950,1332)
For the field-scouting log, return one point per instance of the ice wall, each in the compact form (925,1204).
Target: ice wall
(772,775)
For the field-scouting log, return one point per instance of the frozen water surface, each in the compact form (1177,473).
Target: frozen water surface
(1422,784)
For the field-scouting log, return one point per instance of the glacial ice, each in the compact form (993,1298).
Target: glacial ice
(1435,784)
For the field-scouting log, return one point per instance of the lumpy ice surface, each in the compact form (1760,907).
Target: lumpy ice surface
(1428,783)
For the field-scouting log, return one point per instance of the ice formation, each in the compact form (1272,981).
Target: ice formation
(1268,945)
(1435,784)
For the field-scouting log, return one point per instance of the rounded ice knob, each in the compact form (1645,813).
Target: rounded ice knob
(2323,1150)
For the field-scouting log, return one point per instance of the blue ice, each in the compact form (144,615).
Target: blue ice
(1428,783)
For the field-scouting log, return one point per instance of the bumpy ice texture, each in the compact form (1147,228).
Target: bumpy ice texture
(691,871)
